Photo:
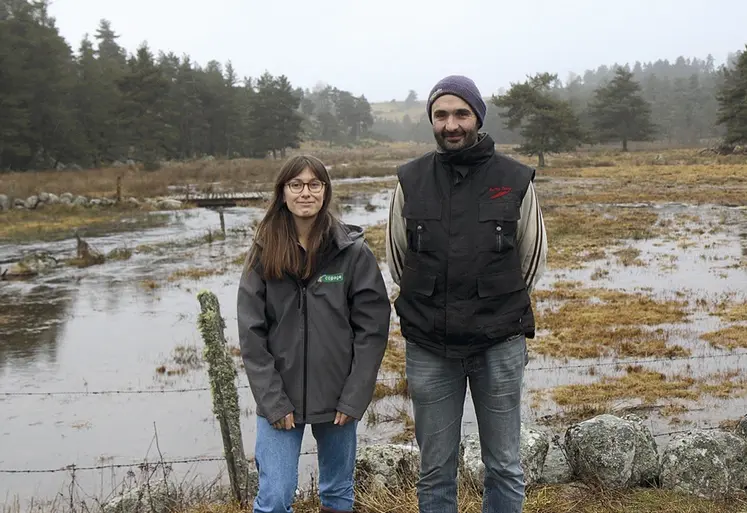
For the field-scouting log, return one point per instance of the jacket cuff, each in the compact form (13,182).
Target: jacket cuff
(277,415)
(350,411)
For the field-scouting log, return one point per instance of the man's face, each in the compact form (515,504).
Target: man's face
(454,123)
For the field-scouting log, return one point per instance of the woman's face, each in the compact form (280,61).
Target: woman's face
(304,195)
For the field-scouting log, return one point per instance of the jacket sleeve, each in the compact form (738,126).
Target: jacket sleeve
(396,235)
(532,239)
(370,313)
(264,380)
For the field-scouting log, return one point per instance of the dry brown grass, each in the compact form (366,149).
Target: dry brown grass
(225,175)
(731,337)
(541,499)
(590,323)
(57,222)
(376,237)
(579,235)
(732,312)
(647,386)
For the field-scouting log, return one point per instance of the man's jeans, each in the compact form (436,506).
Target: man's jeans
(438,388)
(276,455)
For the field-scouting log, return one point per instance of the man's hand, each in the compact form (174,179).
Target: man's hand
(341,419)
(286,422)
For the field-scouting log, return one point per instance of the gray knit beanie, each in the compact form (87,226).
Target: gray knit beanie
(462,87)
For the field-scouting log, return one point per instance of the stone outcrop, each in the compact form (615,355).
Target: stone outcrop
(42,199)
(711,464)
(612,452)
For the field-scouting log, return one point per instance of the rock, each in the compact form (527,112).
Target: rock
(133,201)
(557,470)
(534,445)
(80,201)
(32,202)
(169,204)
(44,197)
(709,464)
(5,203)
(29,266)
(387,466)
(741,429)
(75,167)
(106,202)
(66,195)
(118,163)
(19,203)
(156,497)
(65,200)
(94,202)
(53,199)
(612,452)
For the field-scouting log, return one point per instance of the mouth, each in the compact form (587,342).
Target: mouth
(454,137)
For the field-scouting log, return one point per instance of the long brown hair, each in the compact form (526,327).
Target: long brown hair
(276,233)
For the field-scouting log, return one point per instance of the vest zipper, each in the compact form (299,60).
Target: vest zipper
(305,312)
(499,238)
(420,231)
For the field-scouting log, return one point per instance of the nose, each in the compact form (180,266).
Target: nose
(451,124)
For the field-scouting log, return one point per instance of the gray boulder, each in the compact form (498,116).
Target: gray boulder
(66,195)
(709,464)
(80,201)
(533,448)
(30,266)
(387,466)
(169,204)
(44,197)
(612,452)
(5,203)
(32,202)
(741,429)
(53,199)
(556,469)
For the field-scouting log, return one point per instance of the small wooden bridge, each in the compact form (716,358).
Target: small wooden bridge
(220,199)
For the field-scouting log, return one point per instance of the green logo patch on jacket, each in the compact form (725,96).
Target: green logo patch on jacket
(330,278)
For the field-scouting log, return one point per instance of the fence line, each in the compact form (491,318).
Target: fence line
(735,354)
(199,459)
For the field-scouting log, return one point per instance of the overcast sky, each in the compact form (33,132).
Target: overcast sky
(383,48)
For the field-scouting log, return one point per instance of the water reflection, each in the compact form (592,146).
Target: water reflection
(32,324)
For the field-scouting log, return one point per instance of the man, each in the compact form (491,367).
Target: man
(466,244)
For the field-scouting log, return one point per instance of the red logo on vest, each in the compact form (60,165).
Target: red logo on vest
(498,192)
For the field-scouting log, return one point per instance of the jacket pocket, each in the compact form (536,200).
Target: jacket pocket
(417,282)
(499,220)
(498,284)
(417,214)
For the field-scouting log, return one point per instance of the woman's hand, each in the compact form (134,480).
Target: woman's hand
(341,419)
(286,422)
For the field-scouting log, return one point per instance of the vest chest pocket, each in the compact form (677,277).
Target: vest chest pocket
(498,223)
(420,219)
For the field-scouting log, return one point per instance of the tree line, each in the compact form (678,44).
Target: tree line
(686,102)
(101,105)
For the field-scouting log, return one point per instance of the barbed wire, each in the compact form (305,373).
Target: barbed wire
(393,379)
(142,464)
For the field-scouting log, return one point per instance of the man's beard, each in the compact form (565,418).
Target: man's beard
(467,139)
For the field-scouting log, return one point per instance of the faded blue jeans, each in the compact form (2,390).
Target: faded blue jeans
(276,455)
(438,388)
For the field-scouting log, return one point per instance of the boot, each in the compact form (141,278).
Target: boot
(325,509)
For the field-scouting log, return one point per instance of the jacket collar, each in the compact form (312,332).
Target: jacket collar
(464,160)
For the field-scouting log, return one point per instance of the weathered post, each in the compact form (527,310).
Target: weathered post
(222,222)
(222,375)
(119,189)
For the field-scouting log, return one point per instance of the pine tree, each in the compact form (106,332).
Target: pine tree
(547,123)
(732,98)
(619,112)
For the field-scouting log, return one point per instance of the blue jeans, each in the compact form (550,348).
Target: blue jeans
(276,455)
(438,388)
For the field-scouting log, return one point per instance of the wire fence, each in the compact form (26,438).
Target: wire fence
(204,459)
(529,369)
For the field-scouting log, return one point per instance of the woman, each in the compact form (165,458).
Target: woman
(313,315)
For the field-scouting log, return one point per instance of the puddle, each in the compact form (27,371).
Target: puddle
(99,329)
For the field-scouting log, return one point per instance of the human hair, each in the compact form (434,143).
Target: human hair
(275,245)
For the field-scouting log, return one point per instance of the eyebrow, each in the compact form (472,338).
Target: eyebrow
(462,111)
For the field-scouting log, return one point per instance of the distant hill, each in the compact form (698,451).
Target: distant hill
(395,111)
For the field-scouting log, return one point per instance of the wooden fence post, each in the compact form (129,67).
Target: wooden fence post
(222,373)
(222,222)
(119,189)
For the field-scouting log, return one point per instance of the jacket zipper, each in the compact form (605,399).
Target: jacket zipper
(305,312)
(499,238)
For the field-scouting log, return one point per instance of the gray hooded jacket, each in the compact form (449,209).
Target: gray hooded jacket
(316,349)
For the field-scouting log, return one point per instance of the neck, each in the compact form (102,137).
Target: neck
(303,228)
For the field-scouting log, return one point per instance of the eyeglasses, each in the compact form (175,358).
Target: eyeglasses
(296,186)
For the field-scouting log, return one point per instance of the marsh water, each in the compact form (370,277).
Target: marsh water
(80,349)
